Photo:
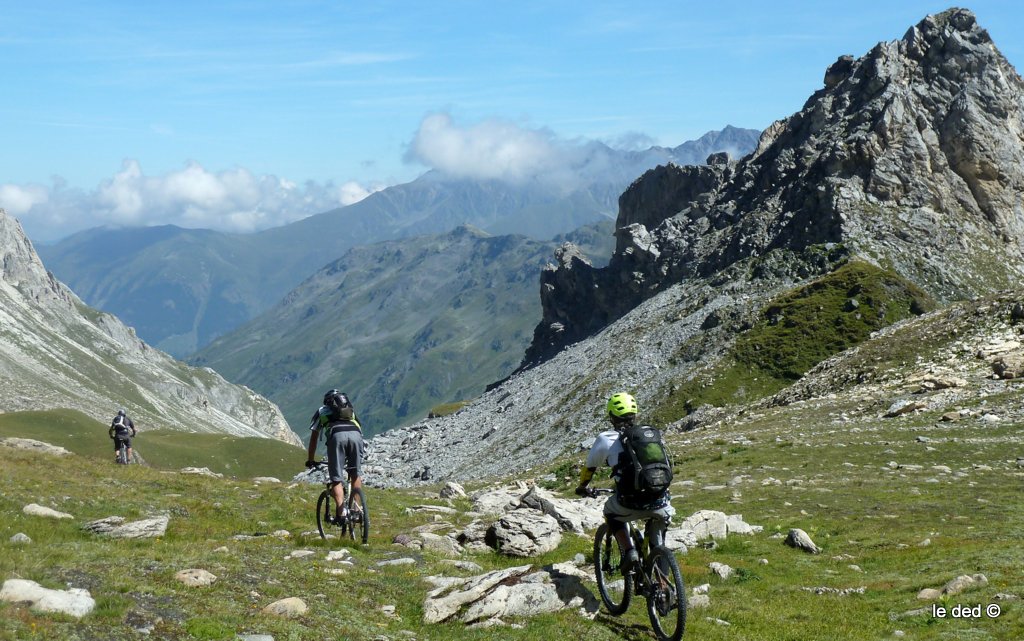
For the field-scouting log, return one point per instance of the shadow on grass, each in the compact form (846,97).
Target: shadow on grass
(624,629)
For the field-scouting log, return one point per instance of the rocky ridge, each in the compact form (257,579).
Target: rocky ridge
(907,158)
(57,352)
(910,157)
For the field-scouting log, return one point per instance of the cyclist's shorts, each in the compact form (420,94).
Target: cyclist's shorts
(344,453)
(118,440)
(614,509)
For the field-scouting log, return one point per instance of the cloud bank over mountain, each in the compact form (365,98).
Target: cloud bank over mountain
(496,149)
(238,200)
(195,197)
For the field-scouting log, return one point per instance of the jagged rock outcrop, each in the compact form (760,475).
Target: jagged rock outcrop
(908,157)
(911,156)
(56,352)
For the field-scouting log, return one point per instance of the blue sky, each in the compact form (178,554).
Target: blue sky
(247,114)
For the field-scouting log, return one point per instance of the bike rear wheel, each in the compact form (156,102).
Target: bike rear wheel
(666,602)
(616,590)
(358,516)
(324,513)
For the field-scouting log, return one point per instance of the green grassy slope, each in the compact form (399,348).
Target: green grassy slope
(161,449)
(797,331)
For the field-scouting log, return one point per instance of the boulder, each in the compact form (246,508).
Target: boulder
(474,536)
(525,533)
(33,446)
(1009,366)
(580,516)
(721,570)
(290,607)
(116,528)
(680,540)
(497,501)
(899,408)
(444,544)
(514,592)
(799,539)
(195,577)
(445,602)
(706,524)
(74,602)
(47,513)
(202,471)
(964,582)
(452,490)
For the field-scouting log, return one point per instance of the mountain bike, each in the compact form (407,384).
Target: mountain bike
(121,457)
(356,525)
(656,577)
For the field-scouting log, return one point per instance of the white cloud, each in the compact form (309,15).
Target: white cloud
(18,199)
(492,149)
(502,150)
(232,200)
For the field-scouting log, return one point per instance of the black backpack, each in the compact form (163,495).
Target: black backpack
(644,468)
(340,406)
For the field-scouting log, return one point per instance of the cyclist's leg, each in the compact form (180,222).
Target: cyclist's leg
(353,448)
(618,518)
(658,523)
(335,469)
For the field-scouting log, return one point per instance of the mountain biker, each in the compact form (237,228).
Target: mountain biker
(122,429)
(337,419)
(619,509)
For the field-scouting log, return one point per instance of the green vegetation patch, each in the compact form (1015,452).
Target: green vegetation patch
(446,409)
(798,330)
(161,449)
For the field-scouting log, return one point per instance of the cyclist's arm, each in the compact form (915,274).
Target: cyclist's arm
(596,457)
(586,474)
(311,452)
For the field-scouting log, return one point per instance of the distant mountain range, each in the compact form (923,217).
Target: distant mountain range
(401,326)
(182,288)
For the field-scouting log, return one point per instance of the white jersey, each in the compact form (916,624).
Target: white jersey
(605,450)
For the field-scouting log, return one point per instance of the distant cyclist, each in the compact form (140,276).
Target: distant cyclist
(641,469)
(337,419)
(122,429)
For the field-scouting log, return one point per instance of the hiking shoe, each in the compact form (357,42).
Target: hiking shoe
(629,559)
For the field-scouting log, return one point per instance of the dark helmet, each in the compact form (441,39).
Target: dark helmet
(334,398)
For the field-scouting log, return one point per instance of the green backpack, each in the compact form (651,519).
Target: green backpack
(644,468)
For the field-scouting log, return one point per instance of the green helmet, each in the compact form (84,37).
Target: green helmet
(621,405)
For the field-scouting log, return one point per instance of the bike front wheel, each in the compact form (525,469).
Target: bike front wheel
(666,602)
(358,516)
(324,513)
(615,588)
